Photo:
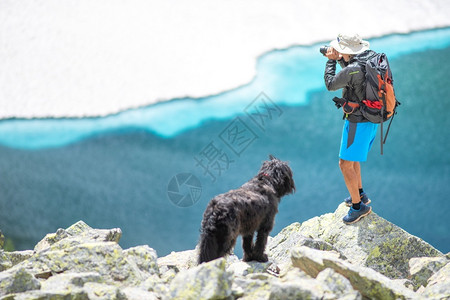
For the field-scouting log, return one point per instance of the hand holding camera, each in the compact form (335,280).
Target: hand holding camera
(330,52)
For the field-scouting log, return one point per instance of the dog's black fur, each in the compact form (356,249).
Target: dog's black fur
(250,208)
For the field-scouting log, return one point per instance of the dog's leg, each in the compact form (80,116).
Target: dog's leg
(260,245)
(247,245)
(226,241)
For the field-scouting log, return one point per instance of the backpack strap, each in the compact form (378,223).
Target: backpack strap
(387,131)
(381,133)
(352,105)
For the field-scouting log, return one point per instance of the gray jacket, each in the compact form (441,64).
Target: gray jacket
(351,79)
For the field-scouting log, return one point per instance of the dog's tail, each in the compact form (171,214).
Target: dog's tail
(214,238)
(209,248)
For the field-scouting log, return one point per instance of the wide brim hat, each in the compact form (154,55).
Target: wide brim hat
(349,44)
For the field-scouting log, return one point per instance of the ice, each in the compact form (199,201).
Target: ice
(79,58)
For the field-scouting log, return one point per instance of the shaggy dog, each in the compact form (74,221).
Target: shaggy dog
(250,208)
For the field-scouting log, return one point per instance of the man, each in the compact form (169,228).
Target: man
(358,134)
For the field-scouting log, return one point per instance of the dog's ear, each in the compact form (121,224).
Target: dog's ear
(271,157)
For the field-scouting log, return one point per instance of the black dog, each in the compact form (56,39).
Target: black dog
(250,208)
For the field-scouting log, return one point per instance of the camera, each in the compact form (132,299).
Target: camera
(324,49)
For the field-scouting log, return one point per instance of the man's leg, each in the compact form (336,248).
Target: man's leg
(357,168)
(356,141)
(352,179)
(352,176)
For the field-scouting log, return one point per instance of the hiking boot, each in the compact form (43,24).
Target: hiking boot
(364,199)
(354,216)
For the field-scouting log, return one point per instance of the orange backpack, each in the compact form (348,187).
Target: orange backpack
(380,103)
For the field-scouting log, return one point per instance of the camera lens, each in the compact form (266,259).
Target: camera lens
(323,50)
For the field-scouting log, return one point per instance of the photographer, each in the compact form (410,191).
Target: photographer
(358,134)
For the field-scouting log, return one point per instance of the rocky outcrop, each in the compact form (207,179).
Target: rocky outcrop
(319,259)
(373,242)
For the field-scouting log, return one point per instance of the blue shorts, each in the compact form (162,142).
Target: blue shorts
(357,139)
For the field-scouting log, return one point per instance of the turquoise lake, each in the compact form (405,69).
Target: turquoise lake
(120,170)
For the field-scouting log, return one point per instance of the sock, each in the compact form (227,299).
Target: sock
(361,191)
(356,206)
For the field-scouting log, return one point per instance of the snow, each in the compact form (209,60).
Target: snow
(78,58)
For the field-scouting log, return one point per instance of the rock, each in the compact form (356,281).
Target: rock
(372,242)
(319,259)
(106,258)
(175,262)
(63,283)
(44,295)
(132,293)
(368,282)
(76,234)
(145,258)
(10,259)
(155,284)
(178,260)
(250,279)
(81,248)
(295,285)
(310,260)
(241,268)
(101,291)
(250,288)
(17,257)
(51,239)
(279,247)
(438,286)
(17,281)
(404,282)
(338,286)
(422,268)
(207,281)
(5,262)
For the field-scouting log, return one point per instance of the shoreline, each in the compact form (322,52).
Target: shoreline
(198,50)
(275,79)
(158,102)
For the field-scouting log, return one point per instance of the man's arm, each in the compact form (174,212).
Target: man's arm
(335,81)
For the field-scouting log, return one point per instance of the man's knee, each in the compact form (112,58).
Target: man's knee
(345,164)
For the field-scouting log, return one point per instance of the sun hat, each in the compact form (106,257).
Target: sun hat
(349,44)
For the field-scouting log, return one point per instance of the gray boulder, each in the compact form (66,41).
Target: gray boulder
(77,234)
(438,285)
(279,248)
(319,259)
(63,283)
(206,281)
(368,282)
(178,260)
(145,258)
(295,284)
(422,268)
(105,258)
(69,254)
(17,281)
(372,242)
(337,286)
(10,259)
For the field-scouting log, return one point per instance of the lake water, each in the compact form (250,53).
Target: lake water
(124,170)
